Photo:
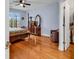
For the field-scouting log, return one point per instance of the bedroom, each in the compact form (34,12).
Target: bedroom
(30,28)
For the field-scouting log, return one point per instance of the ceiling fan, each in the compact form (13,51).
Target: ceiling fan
(22,3)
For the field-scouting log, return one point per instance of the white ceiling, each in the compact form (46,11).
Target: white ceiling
(38,1)
(34,3)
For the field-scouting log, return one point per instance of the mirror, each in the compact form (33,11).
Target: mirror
(38,19)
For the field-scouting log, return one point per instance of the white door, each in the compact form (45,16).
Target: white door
(67,31)
(64,34)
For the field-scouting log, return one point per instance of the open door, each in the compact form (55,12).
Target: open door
(67,29)
(64,34)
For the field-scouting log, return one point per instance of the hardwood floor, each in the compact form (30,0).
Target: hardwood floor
(44,49)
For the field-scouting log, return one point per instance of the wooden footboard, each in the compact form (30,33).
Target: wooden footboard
(18,35)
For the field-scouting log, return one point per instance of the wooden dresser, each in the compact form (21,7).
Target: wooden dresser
(54,35)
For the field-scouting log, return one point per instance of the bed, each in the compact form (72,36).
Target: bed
(16,34)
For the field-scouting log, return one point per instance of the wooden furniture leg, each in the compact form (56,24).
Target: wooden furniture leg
(35,38)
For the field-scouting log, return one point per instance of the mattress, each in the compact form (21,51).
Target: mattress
(17,31)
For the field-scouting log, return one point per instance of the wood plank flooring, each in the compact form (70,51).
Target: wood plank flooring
(44,49)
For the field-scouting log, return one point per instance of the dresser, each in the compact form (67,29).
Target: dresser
(54,35)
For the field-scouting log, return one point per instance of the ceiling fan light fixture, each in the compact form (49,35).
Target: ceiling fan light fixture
(23,1)
(21,5)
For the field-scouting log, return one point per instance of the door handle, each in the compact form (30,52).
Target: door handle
(63,24)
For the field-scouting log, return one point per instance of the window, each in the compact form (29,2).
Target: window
(14,20)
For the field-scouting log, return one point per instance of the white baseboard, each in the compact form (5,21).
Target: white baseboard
(45,35)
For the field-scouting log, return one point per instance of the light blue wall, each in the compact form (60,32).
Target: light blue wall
(50,17)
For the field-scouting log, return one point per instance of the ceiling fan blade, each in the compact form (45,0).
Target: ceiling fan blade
(19,1)
(24,6)
(27,4)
